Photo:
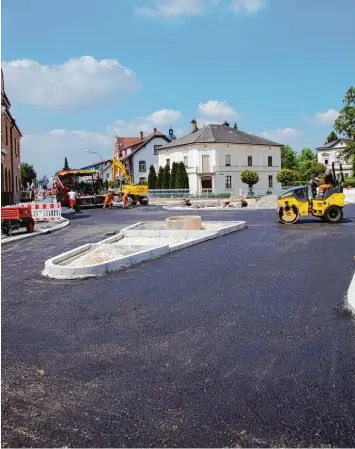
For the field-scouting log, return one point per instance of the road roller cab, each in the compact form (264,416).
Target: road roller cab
(297,202)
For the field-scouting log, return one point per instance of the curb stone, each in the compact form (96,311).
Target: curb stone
(17,238)
(351,295)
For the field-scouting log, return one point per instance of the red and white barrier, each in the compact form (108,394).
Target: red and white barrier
(46,211)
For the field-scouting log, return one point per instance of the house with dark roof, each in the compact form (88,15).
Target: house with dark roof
(332,152)
(215,155)
(139,153)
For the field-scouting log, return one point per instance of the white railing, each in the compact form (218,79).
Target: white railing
(349,196)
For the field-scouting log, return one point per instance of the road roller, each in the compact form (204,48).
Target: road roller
(326,205)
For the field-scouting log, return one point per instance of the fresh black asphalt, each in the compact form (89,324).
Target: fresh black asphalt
(241,341)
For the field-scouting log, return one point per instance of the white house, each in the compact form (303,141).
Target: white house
(331,152)
(139,156)
(105,168)
(215,155)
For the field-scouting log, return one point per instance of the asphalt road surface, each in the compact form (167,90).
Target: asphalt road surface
(241,341)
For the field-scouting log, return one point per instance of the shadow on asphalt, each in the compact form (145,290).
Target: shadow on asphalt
(77,216)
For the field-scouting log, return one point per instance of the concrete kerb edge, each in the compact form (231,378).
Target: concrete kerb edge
(17,238)
(53,270)
(350,302)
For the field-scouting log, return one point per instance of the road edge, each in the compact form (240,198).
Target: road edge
(351,295)
(17,238)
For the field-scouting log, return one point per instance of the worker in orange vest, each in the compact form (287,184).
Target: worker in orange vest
(125,199)
(108,200)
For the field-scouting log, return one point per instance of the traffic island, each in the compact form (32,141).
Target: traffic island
(132,245)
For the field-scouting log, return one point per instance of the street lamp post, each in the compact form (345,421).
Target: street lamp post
(94,152)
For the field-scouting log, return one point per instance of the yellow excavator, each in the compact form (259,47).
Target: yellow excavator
(137,193)
(327,205)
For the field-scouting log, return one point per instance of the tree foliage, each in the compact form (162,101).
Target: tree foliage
(286,176)
(331,138)
(182,178)
(345,124)
(66,165)
(160,178)
(173,177)
(235,125)
(28,173)
(306,155)
(249,177)
(288,157)
(166,177)
(152,178)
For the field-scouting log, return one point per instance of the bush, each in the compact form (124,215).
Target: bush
(349,182)
(286,176)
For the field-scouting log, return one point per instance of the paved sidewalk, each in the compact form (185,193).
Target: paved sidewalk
(39,229)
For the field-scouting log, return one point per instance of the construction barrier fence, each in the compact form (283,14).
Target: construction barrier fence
(46,212)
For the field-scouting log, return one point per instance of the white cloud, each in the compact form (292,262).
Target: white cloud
(215,109)
(249,6)
(163,117)
(285,136)
(76,83)
(173,8)
(324,118)
(46,151)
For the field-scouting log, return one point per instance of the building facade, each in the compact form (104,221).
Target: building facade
(141,154)
(215,155)
(332,152)
(105,168)
(10,152)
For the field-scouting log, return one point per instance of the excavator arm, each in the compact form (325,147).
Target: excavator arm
(117,164)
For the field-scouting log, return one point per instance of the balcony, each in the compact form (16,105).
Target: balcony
(205,169)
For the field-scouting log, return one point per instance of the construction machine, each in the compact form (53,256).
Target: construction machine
(326,205)
(137,193)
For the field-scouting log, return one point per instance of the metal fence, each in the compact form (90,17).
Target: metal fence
(186,193)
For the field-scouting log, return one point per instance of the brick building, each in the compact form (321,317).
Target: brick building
(10,152)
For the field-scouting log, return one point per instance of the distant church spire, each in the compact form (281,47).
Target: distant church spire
(171,133)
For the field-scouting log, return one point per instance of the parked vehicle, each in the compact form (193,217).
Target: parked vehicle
(15,217)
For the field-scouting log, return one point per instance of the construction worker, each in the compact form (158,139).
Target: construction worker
(108,199)
(325,183)
(125,199)
(72,198)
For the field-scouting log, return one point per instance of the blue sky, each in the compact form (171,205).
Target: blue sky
(77,72)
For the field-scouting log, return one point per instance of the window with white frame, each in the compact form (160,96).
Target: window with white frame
(250,161)
(228,182)
(168,162)
(186,161)
(142,166)
(228,160)
(269,161)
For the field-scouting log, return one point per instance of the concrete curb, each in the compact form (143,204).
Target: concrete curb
(53,269)
(351,296)
(17,238)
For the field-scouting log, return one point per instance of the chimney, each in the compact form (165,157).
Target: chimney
(193,125)
(155,130)
(141,133)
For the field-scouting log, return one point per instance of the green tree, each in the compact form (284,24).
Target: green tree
(160,178)
(345,124)
(106,184)
(331,138)
(309,169)
(173,176)
(152,178)
(235,125)
(286,176)
(166,177)
(249,177)
(185,177)
(66,165)
(28,174)
(288,157)
(179,181)
(306,155)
